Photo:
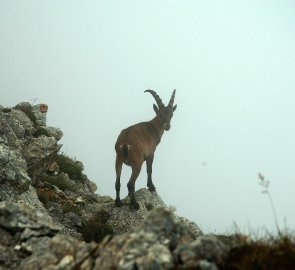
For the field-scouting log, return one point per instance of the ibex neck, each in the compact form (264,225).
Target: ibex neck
(158,125)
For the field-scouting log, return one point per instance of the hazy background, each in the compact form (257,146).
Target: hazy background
(232,63)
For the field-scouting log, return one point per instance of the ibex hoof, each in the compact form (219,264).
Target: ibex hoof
(152,188)
(118,203)
(134,206)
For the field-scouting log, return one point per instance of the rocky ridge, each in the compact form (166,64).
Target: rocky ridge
(51,218)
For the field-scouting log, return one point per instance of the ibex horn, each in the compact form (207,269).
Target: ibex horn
(157,98)
(172,99)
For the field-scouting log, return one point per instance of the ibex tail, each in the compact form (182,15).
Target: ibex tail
(125,150)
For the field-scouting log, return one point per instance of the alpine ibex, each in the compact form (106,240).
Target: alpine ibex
(138,143)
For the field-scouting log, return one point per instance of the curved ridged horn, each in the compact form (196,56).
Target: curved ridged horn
(172,99)
(157,98)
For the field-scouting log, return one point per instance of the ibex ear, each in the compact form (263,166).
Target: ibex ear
(174,107)
(156,109)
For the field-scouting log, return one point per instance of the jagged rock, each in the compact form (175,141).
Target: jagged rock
(36,113)
(40,111)
(169,230)
(206,247)
(91,185)
(38,148)
(30,199)
(73,219)
(29,242)
(58,252)
(194,228)
(27,109)
(17,147)
(15,125)
(123,220)
(134,251)
(14,218)
(13,167)
(54,132)
(151,247)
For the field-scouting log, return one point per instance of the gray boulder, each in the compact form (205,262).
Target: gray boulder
(18,218)
(30,241)
(36,113)
(54,132)
(205,251)
(123,220)
(13,167)
(150,247)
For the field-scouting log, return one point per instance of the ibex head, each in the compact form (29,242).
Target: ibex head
(165,113)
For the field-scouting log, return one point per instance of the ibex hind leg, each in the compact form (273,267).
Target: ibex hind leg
(119,164)
(131,187)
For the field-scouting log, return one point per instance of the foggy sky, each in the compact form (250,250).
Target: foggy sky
(232,63)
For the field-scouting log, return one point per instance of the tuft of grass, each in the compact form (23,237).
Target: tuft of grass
(267,254)
(265,185)
(40,131)
(61,181)
(71,167)
(28,110)
(6,110)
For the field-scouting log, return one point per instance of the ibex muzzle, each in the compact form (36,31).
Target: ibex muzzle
(138,143)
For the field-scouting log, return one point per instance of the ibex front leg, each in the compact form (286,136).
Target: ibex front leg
(131,186)
(149,169)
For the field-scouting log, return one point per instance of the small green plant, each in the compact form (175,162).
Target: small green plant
(69,207)
(28,110)
(71,167)
(40,131)
(61,181)
(6,110)
(265,185)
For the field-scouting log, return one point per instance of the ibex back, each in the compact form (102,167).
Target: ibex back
(138,143)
